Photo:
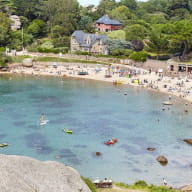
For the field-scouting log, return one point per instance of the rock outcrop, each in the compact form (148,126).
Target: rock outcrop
(24,174)
(162,160)
(188,141)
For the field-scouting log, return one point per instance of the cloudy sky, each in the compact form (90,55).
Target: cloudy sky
(95,2)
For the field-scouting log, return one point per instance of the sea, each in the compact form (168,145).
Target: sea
(96,111)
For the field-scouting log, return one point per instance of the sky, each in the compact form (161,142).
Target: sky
(94,2)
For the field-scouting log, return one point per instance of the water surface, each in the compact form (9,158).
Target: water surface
(96,112)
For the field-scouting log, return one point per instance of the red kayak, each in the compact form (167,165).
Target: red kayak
(111,142)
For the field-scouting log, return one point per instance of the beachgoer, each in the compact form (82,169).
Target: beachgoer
(169,97)
(164,182)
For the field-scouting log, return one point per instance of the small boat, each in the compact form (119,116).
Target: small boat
(111,142)
(68,131)
(4,144)
(82,73)
(167,103)
(43,122)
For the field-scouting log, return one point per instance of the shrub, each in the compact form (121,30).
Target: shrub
(2,49)
(4,59)
(138,56)
(82,53)
(140,183)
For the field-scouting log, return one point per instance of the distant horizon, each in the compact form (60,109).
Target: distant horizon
(94,2)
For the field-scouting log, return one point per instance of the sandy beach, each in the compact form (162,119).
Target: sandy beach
(116,74)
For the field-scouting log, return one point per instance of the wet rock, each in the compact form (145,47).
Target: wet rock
(98,153)
(162,160)
(150,148)
(188,141)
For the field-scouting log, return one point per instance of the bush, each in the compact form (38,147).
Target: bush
(2,49)
(82,53)
(140,183)
(138,56)
(89,184)
(4,60)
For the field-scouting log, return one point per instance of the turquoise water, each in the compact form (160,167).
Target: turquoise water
(96,112)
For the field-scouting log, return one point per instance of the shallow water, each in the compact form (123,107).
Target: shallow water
(96,111)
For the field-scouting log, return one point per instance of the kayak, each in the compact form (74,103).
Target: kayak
(68,131)
(4,144)
(111,142)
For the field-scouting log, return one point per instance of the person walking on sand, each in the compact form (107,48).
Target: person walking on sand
(164,182)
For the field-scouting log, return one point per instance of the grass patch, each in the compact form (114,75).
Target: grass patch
(56,59)
(143,186)
(19,59)
(89,184)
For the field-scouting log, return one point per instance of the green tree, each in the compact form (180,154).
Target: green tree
(86,24)
(131,4)
(4,29)
(62,12)
(37,28)
(6,6)
(158,41)
(18,40)
(121,13)
(183,35)
(135,32)
(30,9)
(106,6)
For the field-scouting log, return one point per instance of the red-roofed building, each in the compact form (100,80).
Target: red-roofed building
(106,24)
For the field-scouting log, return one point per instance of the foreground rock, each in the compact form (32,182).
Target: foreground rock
(187,188)
(162,160)
(188,141)
(24,174)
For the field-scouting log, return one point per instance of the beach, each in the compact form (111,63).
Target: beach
(114,73)
(96,111)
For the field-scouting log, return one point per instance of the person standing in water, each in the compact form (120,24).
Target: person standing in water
(41,117)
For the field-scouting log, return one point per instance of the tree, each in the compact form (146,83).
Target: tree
(121,13)
(117,44)
(86,24)
(30,9)
(37,28)
(183,34)
(4,29)
(106,6)
(7,6)
(131,4)
(135,32)
(62,12)
(158,41)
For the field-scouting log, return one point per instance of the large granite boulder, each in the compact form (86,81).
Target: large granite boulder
(188,141)
(27,62)
(24,174)
(162,160)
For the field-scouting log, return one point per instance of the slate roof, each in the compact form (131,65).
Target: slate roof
(81,38)
(107,21)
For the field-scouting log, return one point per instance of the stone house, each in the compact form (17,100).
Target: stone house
(88,42)
(106,24)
